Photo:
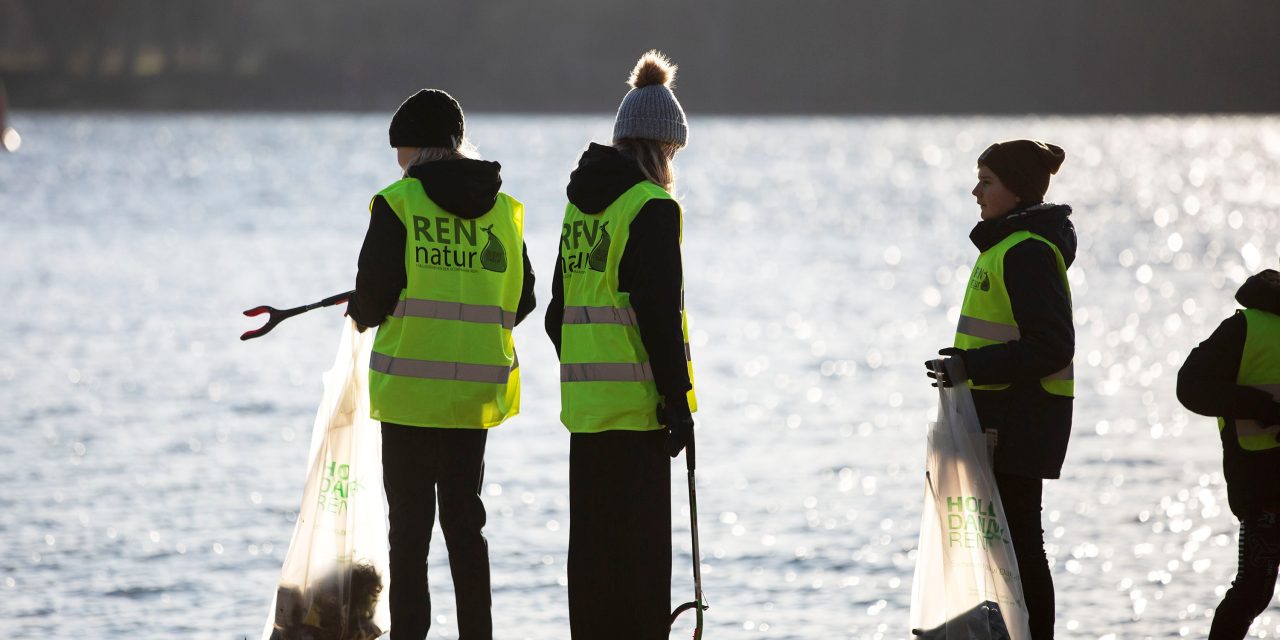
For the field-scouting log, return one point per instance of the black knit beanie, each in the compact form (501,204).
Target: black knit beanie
(1024,166)
(429,118)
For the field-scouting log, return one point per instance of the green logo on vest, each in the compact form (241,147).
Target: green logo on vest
(980,279)
(577,238)
(446,243)
(494,256)
(599,256)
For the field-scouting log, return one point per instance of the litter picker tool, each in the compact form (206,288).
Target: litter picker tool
(699,603)
(276,316)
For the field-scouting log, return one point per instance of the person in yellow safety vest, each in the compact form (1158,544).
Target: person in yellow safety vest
(1234,375)
(1015,342)
(617,320)
(444,275)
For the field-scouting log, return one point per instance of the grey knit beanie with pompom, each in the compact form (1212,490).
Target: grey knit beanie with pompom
(650,110)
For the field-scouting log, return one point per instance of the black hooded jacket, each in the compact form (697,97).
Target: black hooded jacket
(1207,386)
(650,269)
(465,188)
(1034,425)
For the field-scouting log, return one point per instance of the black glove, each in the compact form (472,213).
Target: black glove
(359,327)
(953,371)
(675,414)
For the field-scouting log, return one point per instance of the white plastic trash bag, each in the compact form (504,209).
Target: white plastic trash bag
(332,585)
(967,585)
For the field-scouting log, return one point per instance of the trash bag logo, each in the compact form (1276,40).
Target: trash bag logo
(980,279)
(599,256)
(493,257)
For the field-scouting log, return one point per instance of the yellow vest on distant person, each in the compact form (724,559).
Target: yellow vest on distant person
(986,317)
(1259,368)
(606,383)
(445,357)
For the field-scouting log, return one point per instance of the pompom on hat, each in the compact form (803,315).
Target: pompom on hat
(650,110)
(1024,166)
(429,118)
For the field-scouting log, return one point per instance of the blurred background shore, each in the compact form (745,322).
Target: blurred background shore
(737,56)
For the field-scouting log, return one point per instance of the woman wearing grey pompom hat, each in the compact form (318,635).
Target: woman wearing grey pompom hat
(626,391)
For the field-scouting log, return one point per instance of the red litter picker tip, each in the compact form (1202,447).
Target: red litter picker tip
(276,316)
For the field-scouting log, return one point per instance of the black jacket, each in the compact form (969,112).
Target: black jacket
(1207,386)
(1033,424)
(465,188)
(650,269)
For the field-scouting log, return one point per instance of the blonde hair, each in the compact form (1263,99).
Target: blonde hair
(465,150)
(654,158)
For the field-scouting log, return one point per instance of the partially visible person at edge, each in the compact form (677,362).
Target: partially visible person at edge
(1235,376)
(617,320)
(1015,342)
(444,275)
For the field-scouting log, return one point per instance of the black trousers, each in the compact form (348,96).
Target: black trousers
(1021,498)
(619,535)
(1251,591)
(419,466)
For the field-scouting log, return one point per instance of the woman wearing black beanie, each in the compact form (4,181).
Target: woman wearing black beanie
(444,275)
(1015,342)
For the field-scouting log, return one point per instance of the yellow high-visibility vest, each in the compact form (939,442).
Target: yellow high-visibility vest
(1259,368)
(986,317)
(445,357)
(606,382)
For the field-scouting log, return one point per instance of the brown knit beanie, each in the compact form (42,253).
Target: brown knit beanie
(1024,166)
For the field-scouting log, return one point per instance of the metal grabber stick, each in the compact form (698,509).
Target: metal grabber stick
(276,316)
(699,603)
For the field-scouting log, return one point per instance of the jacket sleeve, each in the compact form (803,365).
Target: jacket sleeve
(528,302)
(380,277)
(1207,380)
(1042,309)
(555,310)
(651,271)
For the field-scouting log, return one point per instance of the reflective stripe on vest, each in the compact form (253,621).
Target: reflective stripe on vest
(485,314)
(599,315)
(606,372)
(436,370)
(987,330)
(1259,369)
(445,356)
(986,317)
(610,371)
(997,332)
(606,379)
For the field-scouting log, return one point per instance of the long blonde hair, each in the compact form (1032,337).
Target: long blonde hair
(654,157)
(465,150)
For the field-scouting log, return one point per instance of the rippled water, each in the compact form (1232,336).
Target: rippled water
(152,463)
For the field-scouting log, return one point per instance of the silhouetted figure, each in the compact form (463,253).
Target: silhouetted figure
(1016,341)
(1235,376)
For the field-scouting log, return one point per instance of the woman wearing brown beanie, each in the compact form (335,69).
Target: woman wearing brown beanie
(1015,341)
(626,392)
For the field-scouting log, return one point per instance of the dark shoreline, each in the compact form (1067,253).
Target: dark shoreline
(739,57)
